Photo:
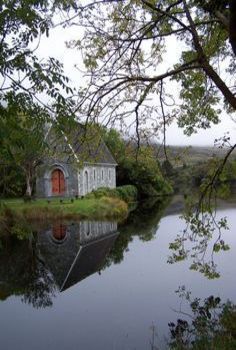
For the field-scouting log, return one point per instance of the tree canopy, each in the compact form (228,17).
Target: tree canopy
(139,167)
(30,85)
(22,148)
(126,48)
(33,91)
(138,53)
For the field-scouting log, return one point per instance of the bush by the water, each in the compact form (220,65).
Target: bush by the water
(127,193)
(137,166)
(145,174)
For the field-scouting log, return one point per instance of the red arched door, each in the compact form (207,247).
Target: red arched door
(58,182)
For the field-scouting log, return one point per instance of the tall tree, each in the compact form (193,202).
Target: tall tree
(23,146)
(124,49)
(29,86)
(25,79)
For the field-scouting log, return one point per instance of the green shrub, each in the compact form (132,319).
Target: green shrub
(145,175)
(127,193)
(113,208)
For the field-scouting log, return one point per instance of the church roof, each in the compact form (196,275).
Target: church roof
(85,144)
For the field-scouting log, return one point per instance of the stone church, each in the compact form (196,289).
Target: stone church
(78,162)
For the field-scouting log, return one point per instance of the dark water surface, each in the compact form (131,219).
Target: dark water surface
(91,286)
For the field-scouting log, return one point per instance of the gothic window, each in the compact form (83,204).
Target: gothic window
(86,180)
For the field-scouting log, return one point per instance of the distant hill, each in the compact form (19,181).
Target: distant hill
(190,154)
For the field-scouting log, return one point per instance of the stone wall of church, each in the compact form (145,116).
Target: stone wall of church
(77,182)
(44,181)
(91,177)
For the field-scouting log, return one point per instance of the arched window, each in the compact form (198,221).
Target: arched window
(86,182)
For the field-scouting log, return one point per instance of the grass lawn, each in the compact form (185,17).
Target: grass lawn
(95,208)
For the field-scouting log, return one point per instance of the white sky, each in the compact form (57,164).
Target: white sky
(54,46)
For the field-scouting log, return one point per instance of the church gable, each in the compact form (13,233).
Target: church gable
(80,162)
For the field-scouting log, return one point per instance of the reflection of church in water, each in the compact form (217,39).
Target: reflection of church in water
(73,252)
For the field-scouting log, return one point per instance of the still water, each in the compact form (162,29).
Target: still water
(93,285)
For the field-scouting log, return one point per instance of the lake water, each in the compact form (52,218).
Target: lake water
(96,286)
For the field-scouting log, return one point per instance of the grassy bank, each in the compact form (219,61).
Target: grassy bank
(53,209)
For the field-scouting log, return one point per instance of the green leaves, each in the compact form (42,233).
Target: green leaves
(200,106)
(129,45)
(200,240)
(220,246)
(23,147)
(25,77)
(210,324)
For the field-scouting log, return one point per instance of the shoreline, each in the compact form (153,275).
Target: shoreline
(68,209)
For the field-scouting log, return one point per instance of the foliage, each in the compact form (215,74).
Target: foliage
(193,177)
(115,142)
(25,81)
(202,236)
(132,79)
(12,181)
(221,187)
(212,325)
(167,168)
(136,166)
(25,76)
(131,76)
(126,193)
(23,146)
(145,174)
(200,240)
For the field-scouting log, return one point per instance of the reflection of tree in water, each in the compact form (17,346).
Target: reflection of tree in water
(209,324)
(142,222)
(41,288)
(23,274)
(200,240)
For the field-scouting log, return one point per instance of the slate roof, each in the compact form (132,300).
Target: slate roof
(84,143)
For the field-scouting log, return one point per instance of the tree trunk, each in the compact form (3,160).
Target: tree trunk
(232,25)
(202,58)
(28,192)
(228,95)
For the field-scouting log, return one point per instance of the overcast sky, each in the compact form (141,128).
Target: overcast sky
(54,46)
